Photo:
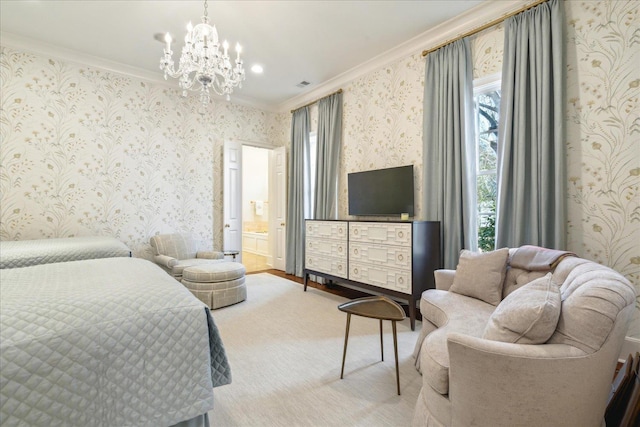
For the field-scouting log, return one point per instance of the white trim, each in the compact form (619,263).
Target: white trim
(473,18)
(487,83)
(47,50)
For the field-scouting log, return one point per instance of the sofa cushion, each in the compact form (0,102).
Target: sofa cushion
(592,296)
(529,315)
(450,312)
(480,275)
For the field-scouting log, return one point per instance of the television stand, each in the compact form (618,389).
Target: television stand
(392,258)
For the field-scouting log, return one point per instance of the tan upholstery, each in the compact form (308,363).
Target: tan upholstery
(469,380)
(217,284)
(175,252)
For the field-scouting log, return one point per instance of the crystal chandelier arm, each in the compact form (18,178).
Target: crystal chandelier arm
(202,62)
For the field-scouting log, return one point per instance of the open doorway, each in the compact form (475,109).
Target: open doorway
(256,251)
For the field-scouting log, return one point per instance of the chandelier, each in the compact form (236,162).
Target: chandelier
(203,67)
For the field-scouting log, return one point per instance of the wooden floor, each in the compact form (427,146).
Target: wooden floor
(335,289)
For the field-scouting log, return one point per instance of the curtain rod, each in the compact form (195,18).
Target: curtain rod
(311,103)
(484,27)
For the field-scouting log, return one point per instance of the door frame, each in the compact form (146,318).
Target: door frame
(256,144)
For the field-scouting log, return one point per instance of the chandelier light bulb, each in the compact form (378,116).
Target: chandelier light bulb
(202,67)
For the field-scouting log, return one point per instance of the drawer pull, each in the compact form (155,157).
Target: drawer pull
(355,231)
(400,280)
(400,234)
(400,257)
(340,230)
(355,270)
(340,249)
(340,267)
(355,251)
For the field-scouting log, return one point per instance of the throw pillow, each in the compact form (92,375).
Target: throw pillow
(481,274)
(528,315)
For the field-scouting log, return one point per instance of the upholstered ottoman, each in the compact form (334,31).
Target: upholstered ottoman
(218,284)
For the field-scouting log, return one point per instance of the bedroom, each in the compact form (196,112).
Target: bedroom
(88,149)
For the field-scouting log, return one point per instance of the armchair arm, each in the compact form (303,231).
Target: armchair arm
(504,384)
(165,261)
(210,255)
(444,278)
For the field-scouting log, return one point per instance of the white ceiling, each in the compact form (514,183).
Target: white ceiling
(293,40)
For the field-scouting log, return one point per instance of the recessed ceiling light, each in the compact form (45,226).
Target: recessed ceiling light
(257,69)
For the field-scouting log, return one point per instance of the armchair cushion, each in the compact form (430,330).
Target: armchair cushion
(480,275)
(210,255)
(529,315)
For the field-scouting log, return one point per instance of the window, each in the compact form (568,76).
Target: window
(310,174)
(487,115)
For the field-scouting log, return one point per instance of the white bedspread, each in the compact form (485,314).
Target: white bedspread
(105,342)
(24,253)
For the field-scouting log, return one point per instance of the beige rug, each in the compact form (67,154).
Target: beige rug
(285,350)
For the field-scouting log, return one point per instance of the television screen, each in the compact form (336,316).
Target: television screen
(381,191)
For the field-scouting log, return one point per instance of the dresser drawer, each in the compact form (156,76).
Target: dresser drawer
(333,248)
(390,256)
(388,278)
(336,230)
(322,264)
(391,233)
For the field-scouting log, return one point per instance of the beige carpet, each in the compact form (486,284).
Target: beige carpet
(285,350)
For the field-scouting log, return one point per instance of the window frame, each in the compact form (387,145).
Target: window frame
(481,86)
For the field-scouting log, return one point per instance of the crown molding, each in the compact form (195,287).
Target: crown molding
(473,18)
(47,50)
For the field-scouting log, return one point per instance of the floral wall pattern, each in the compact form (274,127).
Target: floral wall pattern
(603,135)
(89,152)
(86,151)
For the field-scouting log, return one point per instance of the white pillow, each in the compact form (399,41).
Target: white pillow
(480,275)
(528,315)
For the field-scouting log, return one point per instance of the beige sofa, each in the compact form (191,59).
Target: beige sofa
(520,337)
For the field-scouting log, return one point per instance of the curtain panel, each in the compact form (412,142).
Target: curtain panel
(297,186)
(449,159)
(531,155)
(328,156)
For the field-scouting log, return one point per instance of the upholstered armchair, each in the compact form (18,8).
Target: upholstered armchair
(175,252)
(540,349)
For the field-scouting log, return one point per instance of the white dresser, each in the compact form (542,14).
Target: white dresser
(326,247)
(385,257)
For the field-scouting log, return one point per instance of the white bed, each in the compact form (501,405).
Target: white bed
(105,342)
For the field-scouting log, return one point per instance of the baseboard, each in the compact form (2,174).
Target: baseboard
(630,346)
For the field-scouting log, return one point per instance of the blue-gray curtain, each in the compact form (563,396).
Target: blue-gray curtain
(328,156)
(449,160)
(531,155)
(296,189)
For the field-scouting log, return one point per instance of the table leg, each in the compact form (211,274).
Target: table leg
(306,277)
(346,340)
(412,313)
(395,349)
(381,344)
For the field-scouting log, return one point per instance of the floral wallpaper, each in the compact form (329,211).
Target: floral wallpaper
(90,152)
(86,151)
(383,127)
(603,135)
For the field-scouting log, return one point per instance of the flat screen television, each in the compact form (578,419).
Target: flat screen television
(381,191)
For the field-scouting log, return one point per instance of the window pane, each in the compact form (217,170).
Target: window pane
(487,119)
